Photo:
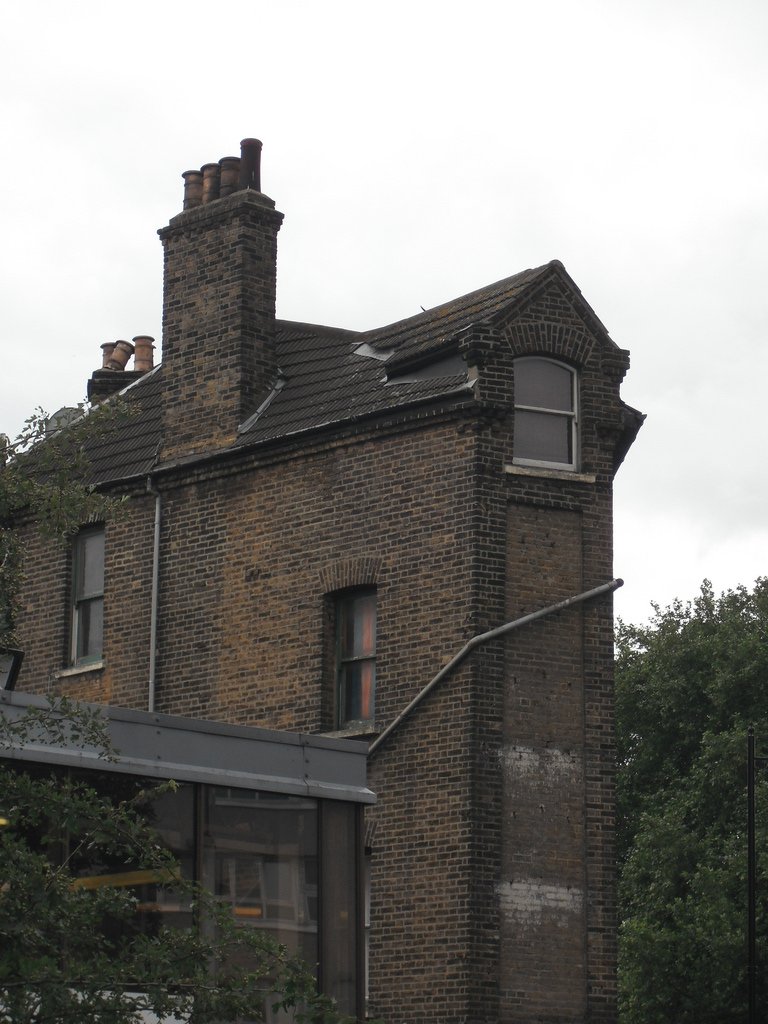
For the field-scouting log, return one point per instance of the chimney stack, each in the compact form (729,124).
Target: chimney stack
(219,357)
(112,375)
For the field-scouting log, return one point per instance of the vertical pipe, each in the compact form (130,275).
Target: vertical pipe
(751,958)
(154,601)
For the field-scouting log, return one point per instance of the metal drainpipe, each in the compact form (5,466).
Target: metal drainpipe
(155,588)
(482,638)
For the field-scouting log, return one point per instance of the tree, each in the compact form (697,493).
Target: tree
(688,685)
(72,952)
(44,476)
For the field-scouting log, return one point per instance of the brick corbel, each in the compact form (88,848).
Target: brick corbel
(477,342)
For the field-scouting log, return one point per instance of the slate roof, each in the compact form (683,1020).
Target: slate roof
(331,377)
(327,381)
(131,448)
(435,329)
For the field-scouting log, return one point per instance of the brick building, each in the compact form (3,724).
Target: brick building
(319,520)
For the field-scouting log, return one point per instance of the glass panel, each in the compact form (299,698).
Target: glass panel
(358,626)
(172,815)
(259,855)
(543,437)
(342,952)
(90,628)
(543,384)
(90,568)
(358,688)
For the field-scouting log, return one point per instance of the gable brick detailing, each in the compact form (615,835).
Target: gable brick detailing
(557,340)
(351,572)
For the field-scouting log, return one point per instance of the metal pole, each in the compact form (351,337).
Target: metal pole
(751,958)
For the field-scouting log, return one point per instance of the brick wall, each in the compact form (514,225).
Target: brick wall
(218,318)
(491,844)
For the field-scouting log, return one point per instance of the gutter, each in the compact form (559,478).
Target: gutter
(482,638)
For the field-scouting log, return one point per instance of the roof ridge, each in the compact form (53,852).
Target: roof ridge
(521,277)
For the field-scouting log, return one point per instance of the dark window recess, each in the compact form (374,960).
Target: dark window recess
(88,596)
(356,657)
(545,414)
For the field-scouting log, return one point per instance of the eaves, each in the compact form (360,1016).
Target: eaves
(416,415)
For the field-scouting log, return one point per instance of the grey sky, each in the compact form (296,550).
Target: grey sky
(421,150)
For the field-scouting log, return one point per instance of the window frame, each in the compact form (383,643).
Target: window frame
(83,602)
(571,414)
(343,602)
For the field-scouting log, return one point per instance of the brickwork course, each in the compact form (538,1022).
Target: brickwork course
(283,464)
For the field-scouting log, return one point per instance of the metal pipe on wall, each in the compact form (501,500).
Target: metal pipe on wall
(155,590)
(482,638)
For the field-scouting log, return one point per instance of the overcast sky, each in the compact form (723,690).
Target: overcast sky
(419,151)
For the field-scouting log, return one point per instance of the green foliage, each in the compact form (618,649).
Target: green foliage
(72,953)
(46,478)
(687,687)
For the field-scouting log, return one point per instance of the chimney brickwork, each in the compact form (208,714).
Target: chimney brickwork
(218,318)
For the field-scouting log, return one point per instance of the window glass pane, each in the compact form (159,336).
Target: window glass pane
(543,384)
(172,815)
(543,437)
(358,631)
(88,602)
(260,856)
(90,628)
(358,686)
(90,564)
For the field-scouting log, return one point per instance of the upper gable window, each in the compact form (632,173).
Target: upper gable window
(545,413)
(88,596)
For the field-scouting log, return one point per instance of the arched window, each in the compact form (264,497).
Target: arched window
(545,413)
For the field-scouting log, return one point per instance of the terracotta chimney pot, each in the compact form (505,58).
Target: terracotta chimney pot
(210,173)
(229,175)
(250,164)
(143,348)
(193,188)
(106,351)
(121,353)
